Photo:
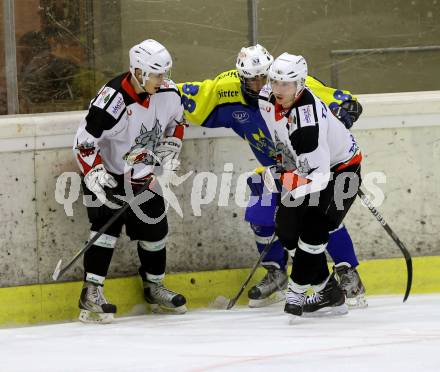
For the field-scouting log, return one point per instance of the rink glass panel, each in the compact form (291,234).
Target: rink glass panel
(67,50)
(3,104)
(314,28)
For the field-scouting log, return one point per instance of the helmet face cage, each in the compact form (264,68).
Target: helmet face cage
(152,58)
(289,68)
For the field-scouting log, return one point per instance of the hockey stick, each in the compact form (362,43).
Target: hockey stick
(224,303)
(58,272)
(393,236)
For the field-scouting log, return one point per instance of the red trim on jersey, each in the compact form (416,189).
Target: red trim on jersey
(87,168)
(291,180)
(126,85)
(179,131)
(353,161)
(280,111)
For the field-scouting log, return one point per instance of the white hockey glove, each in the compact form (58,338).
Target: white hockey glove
(271,178)
(168,149)
(97,179)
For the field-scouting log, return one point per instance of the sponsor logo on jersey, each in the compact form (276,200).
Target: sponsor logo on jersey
(227,93)
(86,149)
(354,146)
(232,74)
(283,154)
(103,97)
(241,116)
(306,116)
(266,108)
(117,106)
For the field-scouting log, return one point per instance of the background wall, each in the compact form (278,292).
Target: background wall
(398,133)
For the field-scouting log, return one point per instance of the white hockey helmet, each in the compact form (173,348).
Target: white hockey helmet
(289,68)
(253,61)
(150,56)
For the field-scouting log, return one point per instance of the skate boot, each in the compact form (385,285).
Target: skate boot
(94,306)
(294,301)
(351,284)
(162,300)
(329,299)
(270,289)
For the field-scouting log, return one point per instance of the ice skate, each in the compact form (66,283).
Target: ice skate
(162,300)
(294,303)
(351,284)
(270,289)
(328,301)
(94,306)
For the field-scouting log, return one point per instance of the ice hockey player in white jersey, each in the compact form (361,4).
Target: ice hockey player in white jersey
(134,122)
(317,175)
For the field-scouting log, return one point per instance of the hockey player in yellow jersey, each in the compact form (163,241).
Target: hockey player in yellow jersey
(230,100)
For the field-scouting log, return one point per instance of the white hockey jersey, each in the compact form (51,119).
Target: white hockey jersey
(121,129)
(310,141)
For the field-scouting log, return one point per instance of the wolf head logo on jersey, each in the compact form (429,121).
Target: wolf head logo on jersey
(145,143)
(283,153)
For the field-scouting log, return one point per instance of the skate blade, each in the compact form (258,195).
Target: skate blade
(87,316)
(294,319)
(220,303)
(359,302)
(272,299)
(328,311)
(160,309)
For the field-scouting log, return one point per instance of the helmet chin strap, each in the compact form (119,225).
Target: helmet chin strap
(138,84)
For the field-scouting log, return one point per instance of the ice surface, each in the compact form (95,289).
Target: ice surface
(387,336)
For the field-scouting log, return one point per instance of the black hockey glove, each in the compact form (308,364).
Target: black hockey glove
(348,112)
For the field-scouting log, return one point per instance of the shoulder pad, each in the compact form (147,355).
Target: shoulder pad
(228,74)
(168,86)
(110,101)
(305,139)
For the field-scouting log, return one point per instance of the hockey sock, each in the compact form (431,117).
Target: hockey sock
(153,262)
(340,247)
(308,268)
(97,260)
(276,256)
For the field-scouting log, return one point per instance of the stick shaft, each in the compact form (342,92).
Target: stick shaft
(102,230)
(251,274)
(395,238)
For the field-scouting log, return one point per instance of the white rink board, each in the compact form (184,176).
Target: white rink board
(388,336)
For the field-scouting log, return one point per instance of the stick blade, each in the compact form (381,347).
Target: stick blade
(57,270)
(220,303)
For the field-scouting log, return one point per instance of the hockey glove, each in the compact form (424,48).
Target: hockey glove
(98,178)
(168,149)
(255,182)
(277,179)
(348,112)
(137,183)
(271,178)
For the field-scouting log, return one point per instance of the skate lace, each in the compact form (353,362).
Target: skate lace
(272,278)
(295,298)
(314,298)
(96,295)
(163,293)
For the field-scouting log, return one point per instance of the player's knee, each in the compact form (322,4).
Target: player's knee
(311,248)
(263,231)
(153,246)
